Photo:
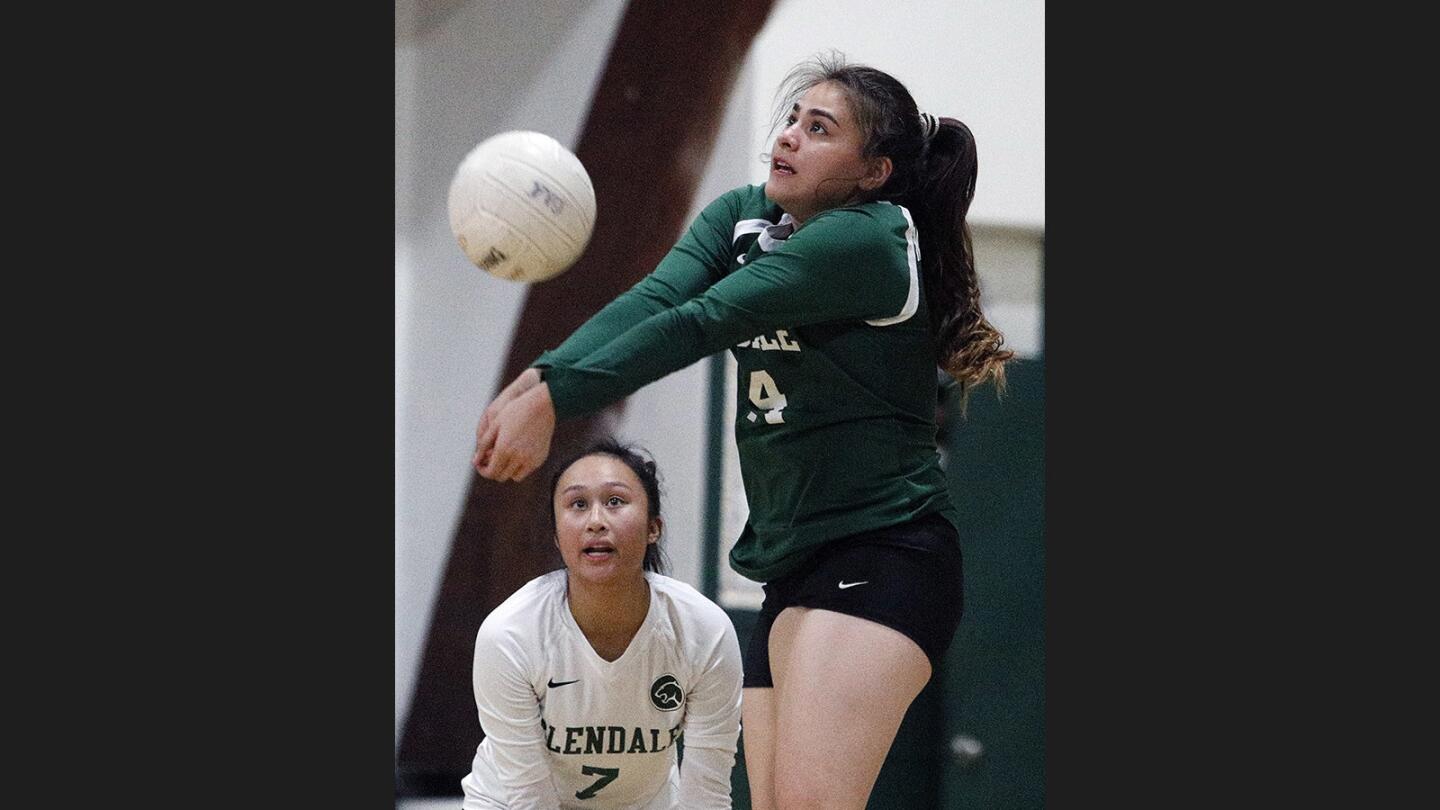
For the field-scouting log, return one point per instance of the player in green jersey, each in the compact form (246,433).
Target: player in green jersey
(838,285)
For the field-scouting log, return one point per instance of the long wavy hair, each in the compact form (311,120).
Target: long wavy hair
(934,178)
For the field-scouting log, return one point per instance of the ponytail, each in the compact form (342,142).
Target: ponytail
(968,347)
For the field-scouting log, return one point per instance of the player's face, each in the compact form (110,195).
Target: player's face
(816,164)
(602,522)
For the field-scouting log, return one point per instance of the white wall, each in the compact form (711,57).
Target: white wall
(464,71)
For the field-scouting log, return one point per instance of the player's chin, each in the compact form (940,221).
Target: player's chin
(778,183)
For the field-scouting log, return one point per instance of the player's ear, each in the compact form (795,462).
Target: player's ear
(656,526)
(877,172)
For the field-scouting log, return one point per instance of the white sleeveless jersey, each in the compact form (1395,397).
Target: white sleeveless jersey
(562,723)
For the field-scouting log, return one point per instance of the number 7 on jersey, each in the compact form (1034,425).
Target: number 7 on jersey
(607,775)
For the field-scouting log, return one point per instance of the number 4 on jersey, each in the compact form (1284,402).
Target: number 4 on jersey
(764,394)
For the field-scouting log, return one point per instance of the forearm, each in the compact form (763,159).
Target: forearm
(712,727)
(679,277)
(630,308)
(658,346)
(510,717)
(705,778)
(539,795)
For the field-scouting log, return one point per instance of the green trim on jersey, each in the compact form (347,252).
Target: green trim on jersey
(836,394)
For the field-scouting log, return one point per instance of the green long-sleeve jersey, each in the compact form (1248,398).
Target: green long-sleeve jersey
(836,395)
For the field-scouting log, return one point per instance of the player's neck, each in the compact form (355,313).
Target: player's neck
(609,614)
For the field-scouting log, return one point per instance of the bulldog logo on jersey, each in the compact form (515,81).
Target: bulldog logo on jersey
(666,694)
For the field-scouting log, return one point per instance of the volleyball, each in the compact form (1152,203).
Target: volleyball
(522,207)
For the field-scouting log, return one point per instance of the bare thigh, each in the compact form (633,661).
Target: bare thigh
(757,718)
(842,687)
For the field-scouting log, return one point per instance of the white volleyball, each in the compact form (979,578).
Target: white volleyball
(522,207)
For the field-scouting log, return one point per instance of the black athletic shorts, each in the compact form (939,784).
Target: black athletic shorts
(907,577)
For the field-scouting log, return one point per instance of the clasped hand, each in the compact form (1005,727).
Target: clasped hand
(513,437)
